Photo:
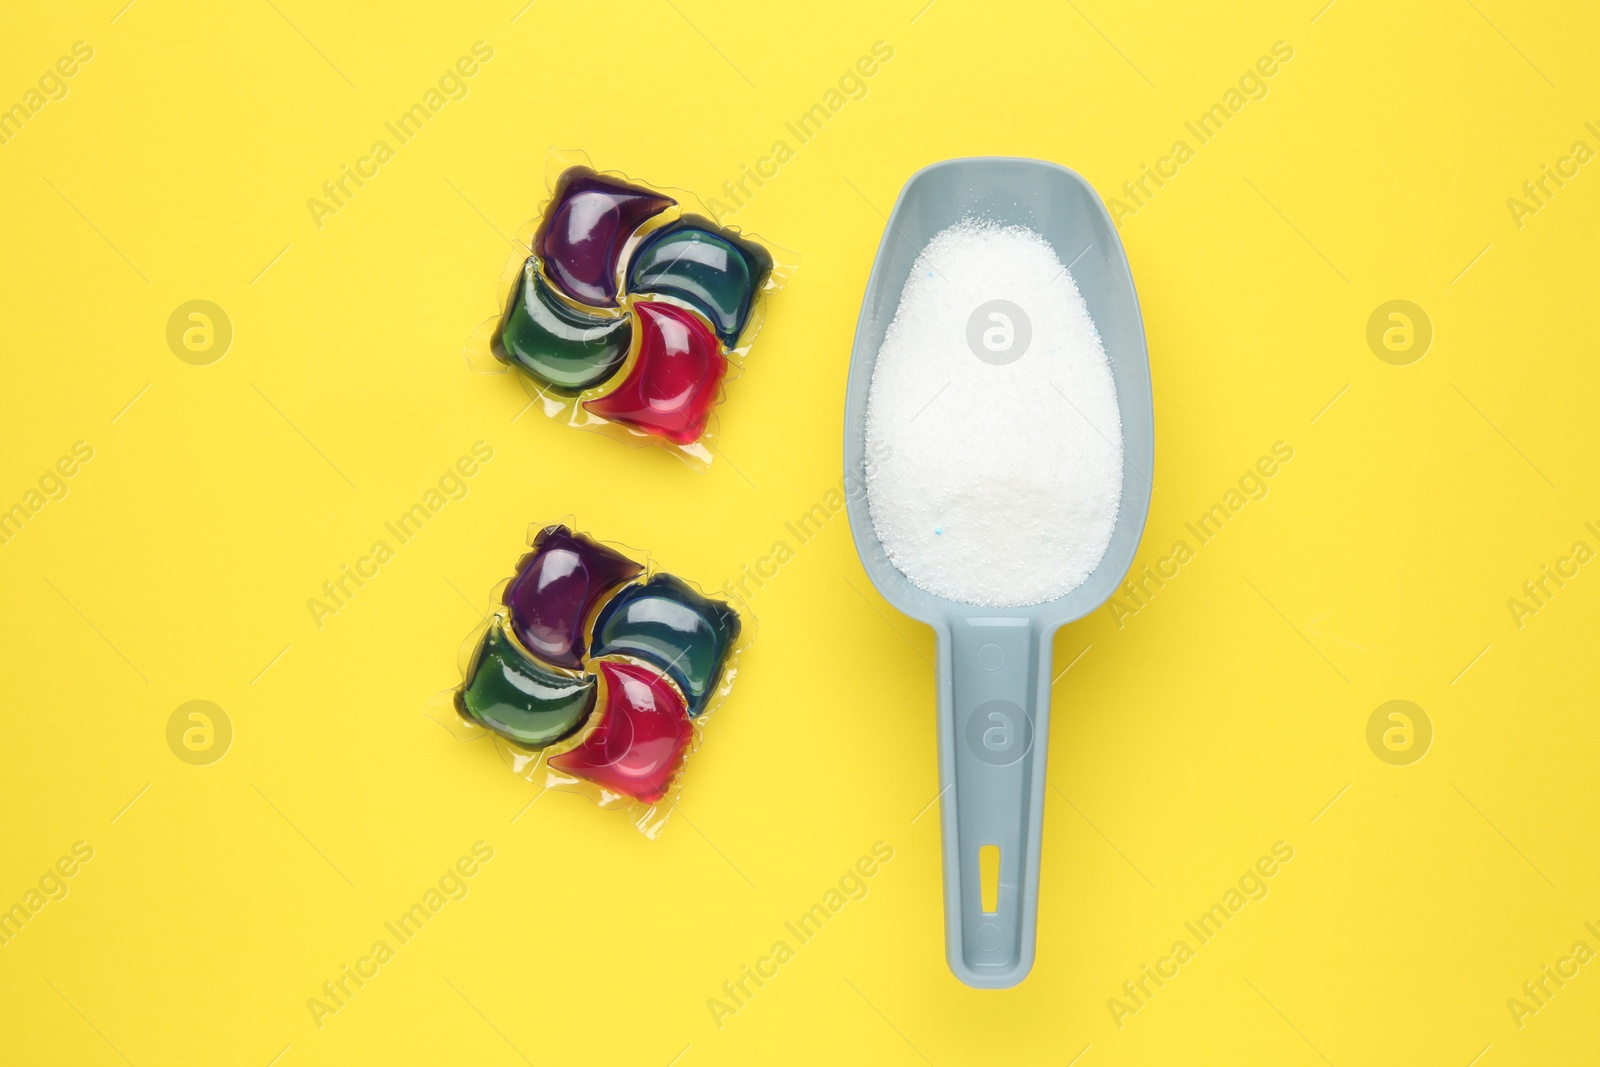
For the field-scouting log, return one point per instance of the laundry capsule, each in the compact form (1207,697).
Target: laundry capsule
(633,311)
(603,668)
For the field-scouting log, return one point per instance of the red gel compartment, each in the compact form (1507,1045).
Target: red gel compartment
(640,741)
(672,386)
(585,229)
(557,585)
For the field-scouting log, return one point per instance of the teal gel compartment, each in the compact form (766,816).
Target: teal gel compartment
(519,698)
(563,348)
(668,624)
(714,271)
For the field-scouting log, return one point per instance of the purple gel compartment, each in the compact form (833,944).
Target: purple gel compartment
(556,587)
(581,238)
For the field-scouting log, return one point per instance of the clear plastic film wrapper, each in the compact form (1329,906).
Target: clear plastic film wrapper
(624,308)
(594,672)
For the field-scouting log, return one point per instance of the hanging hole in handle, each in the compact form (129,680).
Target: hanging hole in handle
(989,878)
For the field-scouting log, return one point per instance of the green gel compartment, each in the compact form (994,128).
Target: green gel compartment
(666,623)
(519,698)
(714,271)
(560,346)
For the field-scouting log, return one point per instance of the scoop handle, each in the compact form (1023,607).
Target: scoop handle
(994,716)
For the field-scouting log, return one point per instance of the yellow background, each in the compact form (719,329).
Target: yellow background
(1223,717)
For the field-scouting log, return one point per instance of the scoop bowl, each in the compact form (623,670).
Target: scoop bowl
(994,664)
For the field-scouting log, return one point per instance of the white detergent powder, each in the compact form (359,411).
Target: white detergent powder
(993,479)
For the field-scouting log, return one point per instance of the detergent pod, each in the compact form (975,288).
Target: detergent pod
(627,308)
(594,672)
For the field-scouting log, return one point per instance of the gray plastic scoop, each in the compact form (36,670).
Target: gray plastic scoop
(994,663)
